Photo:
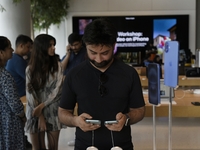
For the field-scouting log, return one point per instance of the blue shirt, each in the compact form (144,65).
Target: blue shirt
(75,59)
(16,66)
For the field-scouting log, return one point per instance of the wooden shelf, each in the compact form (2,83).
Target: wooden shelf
(182,108)
(183,81)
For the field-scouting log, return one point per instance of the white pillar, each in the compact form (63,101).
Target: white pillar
(15,19)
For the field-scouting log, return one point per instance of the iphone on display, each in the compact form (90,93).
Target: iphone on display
(171,63)
(154,83)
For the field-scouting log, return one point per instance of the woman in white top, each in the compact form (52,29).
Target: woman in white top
(44,76)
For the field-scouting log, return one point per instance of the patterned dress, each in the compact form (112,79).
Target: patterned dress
(11,126)
(50,95)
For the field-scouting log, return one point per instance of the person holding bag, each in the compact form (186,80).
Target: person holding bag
(44,76)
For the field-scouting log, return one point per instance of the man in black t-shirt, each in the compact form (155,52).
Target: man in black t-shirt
(105,89)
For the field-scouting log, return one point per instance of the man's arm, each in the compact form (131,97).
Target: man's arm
(66,117)
(65,60)
(136,114)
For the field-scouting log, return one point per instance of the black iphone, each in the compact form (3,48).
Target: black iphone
(154,83)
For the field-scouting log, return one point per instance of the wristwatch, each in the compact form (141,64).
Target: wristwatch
(127,120)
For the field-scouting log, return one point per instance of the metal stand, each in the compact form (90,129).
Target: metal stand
(154,127)
(170,119)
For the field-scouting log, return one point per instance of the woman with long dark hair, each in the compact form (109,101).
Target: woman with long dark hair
(44,76)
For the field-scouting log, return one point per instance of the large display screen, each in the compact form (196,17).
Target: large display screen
(135,32)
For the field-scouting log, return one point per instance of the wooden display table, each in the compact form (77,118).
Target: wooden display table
(182,108)
(183,81)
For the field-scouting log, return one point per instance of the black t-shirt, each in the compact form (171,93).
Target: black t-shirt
(123,92)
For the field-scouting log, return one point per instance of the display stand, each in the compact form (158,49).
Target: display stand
(154,93)
(154,127)
(170,120)
(169,125)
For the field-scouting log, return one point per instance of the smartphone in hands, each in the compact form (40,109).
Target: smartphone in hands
(111,122)
(91,121)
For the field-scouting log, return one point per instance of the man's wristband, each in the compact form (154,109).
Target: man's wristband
(127,120)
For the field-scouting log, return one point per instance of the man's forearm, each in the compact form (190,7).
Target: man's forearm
(65,61)
(66,117)
(136,114)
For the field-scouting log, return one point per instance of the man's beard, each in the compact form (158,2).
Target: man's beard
(101,64)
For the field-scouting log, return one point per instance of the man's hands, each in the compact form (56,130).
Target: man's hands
(66,117)
(121,118)
(80,121)
(68,49)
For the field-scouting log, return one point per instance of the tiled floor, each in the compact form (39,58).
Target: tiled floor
(185,134)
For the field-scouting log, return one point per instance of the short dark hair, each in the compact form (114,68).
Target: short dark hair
(4,43)
(23,39)
(100,31)
(74,37)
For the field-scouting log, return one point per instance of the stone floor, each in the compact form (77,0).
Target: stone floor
(185,134)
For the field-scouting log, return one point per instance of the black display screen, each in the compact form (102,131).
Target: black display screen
(135,32)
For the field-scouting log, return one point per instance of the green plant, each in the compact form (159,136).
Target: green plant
(45,13)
